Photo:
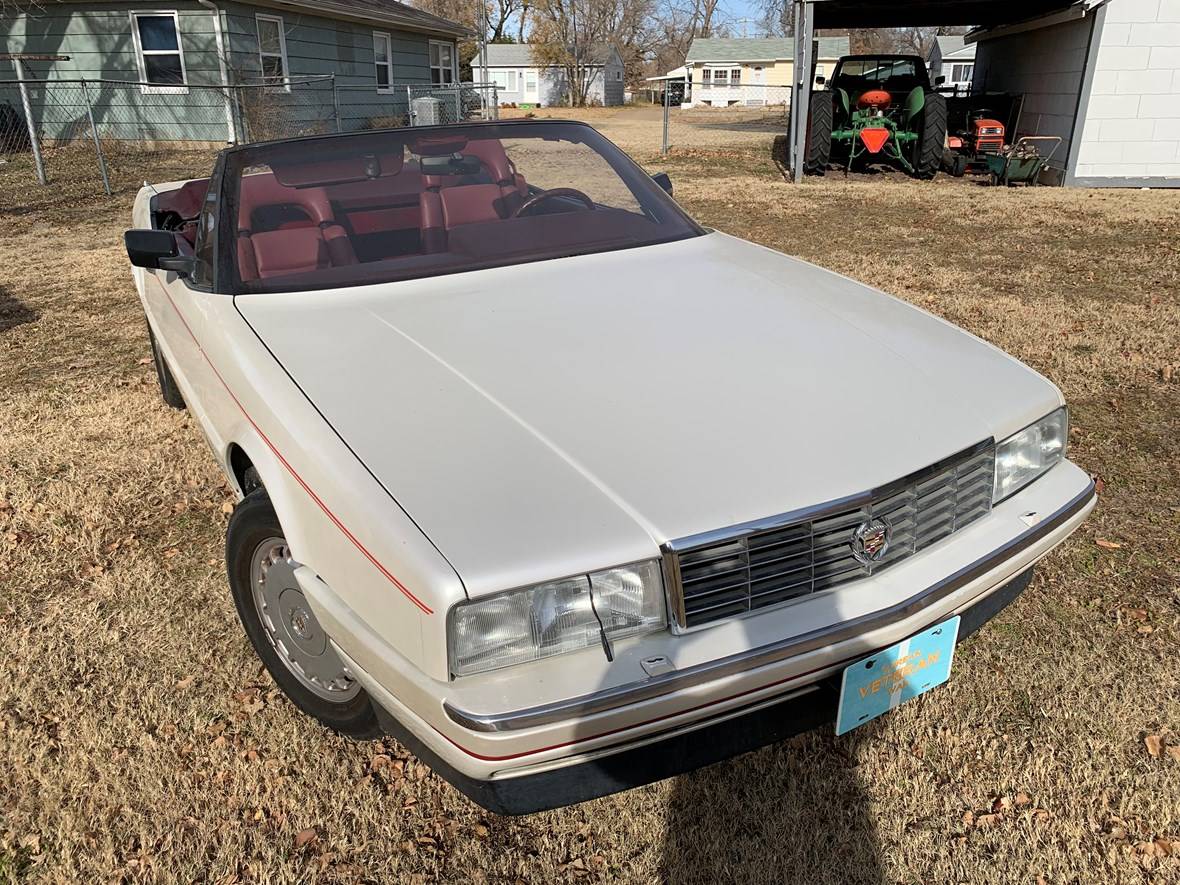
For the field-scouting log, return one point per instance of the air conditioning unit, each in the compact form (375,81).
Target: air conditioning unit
(428,111)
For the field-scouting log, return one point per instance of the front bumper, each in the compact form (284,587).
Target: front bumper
(677,752)
(530,723)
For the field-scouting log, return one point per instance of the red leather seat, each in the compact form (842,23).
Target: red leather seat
(292,247)
(448,202)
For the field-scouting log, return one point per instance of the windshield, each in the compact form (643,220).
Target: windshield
(394,205)
(870,72)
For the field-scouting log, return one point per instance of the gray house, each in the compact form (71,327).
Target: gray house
(301,65)
(953,58)
(520,80)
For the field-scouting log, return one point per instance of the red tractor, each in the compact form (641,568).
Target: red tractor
(969,147)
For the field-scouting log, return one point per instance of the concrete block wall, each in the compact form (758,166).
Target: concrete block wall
(1131,128)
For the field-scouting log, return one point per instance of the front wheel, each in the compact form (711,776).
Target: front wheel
(282,627)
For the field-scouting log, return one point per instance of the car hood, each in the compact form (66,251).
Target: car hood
(551,418)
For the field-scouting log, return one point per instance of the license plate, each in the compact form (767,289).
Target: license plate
(878,684)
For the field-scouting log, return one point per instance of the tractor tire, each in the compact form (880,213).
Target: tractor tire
(818,146)
(931,137)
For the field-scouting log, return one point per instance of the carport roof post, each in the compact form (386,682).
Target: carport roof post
(810,14)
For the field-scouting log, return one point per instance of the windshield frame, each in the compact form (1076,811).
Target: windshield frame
(235,160)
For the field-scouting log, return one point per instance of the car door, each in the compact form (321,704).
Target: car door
(186,310)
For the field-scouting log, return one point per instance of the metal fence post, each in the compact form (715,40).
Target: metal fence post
(102,161)
(409,105)
(458,105)
(495,102)
(667,98)
(33,143)
(336,103)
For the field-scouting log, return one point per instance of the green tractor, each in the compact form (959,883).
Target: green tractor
(877,108)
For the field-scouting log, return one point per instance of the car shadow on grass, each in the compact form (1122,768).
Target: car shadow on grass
(795,812)
(13,311)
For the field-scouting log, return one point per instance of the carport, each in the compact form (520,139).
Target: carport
(1102,74)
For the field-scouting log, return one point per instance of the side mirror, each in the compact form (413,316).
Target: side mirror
(821,80)
(939,80)
(156,250)
(665,183)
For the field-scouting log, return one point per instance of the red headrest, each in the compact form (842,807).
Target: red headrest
(491,153)
(263,189)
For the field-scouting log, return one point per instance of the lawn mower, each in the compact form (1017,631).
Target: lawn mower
(877,108)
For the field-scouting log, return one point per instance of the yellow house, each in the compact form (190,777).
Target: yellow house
(727,72)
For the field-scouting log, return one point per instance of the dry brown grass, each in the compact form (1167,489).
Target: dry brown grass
(139,739)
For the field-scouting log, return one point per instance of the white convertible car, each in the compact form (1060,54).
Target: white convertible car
(563,490)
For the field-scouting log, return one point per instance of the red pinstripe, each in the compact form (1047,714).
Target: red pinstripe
(299,479)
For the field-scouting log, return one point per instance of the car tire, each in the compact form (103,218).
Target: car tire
(931,137)
(818,145)
(280,625)
(169,391)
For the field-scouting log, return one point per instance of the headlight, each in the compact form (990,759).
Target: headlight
(555,617)
(1024,456)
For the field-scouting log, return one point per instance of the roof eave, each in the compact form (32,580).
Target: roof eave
(438,27)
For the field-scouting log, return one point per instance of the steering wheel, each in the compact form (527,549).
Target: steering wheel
(553,193)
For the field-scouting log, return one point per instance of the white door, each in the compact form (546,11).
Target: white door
(530,86)
(759,76)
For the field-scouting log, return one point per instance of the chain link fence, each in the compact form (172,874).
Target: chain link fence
(83,136)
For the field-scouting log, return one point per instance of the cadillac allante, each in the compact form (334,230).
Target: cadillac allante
(562,489)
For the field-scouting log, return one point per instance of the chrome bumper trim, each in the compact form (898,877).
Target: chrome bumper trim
(633,692)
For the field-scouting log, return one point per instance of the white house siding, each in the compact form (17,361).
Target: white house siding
(551,87)
(1046,65)
(1131,129)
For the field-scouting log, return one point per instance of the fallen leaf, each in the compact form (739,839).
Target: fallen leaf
(1145,630)
(1001,803)
(227,507)
(968,819)
(1166,372)
(1107,545)
(1166,846)
(1153,744)
(481,831)
(1174,752)
(146,361)
(987,820)
(1023,798)
(186,682)
(305,837)
(1139,614)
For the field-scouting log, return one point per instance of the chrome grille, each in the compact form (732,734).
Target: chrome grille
(773,561)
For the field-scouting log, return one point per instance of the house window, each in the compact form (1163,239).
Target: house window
(442,63)
(158,52)
(383,60)
(530,82)
(618,75)
(962,73)
(819,70)
(735,76)
(721,77)
(272,51)
(706,77)
(506,81)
